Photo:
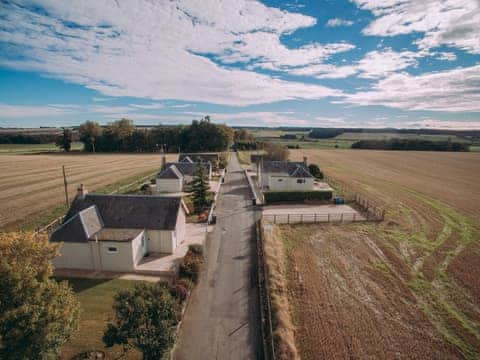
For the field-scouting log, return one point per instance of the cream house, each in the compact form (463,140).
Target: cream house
(114,232)
(174,176)
(285,176)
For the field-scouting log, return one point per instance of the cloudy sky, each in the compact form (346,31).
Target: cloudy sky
(358,63)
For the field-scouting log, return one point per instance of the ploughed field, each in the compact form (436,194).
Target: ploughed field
(31,186)
(408,287)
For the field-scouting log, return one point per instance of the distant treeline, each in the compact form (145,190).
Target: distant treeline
(123,136)
(324,133)
(410,144)
(27,139)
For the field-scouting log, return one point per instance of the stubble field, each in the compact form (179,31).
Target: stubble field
(408,287)
(31,186)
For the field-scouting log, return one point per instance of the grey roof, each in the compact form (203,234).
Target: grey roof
(131,211)
(170,172)
(186,159)
(189,169)
(80,227)
(286,168)
(200,157)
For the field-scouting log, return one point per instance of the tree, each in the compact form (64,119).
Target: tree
(37,314)
(315,171)
(89,131)
(145,318)
(275,152)
(243,135)
(64,141)
(200,190)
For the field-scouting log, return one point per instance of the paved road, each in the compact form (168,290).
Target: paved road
(222,319)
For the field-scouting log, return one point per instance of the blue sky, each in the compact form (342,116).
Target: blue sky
(358,63)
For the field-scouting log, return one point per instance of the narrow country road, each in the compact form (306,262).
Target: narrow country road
(222,319)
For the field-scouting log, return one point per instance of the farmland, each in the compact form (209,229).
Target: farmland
(407,287)
(31,186)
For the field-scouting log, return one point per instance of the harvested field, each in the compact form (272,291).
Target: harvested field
(32,185)
(404,288)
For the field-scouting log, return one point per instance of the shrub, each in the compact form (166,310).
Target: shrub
(296,196)
(190,266)
(315,171)
(197,249)
(179,292)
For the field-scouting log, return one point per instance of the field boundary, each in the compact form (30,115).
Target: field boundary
(266,323)
(314,218)
(370,207)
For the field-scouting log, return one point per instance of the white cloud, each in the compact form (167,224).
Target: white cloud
(18,111)
(446,22)
(451,91)
(339,22)
(448,56)
(152,49)
(151,106)
(375,64)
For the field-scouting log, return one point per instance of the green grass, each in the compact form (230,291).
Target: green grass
(96,299)
(18,149)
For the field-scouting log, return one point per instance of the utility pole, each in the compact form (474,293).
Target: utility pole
(65,186)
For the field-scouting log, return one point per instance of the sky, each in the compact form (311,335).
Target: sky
(346,63)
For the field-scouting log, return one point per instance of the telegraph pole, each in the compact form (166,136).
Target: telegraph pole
(65,186)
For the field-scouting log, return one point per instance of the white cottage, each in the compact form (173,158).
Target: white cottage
(285,176)
(170,180)
(114,232)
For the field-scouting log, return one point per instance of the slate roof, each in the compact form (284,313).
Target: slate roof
(186,159)
(189,169)
(131,211)
(170,172)
(200,157)
(79,227)
(286,168)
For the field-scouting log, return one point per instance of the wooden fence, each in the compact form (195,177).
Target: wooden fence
(372,210)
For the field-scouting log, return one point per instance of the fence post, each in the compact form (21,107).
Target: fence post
(288,218)
(328,218)
(315,219)
(301,218)
(341,218)
(274,218)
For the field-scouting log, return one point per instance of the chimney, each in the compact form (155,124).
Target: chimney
(82,191)
(164,161)
(305,161)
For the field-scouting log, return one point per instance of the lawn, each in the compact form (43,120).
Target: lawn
(96,299)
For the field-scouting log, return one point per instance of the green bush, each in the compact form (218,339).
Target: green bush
(315,171)
(296,196)
(190,266)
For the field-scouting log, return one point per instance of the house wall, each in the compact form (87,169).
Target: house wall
(121,261)
(287,183)
(180,228)
(160,241)
(139,248)
(169,185)
(75,256)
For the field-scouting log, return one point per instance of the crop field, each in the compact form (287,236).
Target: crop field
(386,136)
(31,186)
(408,287)
(13,149)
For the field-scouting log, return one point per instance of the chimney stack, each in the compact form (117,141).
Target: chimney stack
(82,191)
(305,161)
(164,161)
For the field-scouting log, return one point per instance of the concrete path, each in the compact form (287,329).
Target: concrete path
(222,319)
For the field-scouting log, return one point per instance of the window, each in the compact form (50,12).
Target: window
(143,240)
(301,181)
(280,180)
(112,250)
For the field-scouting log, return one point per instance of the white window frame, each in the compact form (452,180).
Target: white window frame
(110,251)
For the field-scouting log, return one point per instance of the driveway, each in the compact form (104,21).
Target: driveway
(222,319)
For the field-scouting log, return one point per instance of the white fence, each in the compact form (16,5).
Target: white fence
(315,218)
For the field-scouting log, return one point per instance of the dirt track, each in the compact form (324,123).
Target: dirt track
(405,288)
(32,184)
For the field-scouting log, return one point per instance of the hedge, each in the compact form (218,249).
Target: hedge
(296,196)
